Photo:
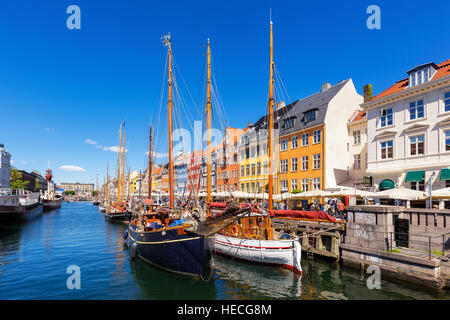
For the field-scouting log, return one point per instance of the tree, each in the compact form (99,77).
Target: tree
(16,180)
(94,193)
(296,191)
(69,193)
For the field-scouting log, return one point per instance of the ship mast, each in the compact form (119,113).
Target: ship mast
(107,184)
(166,41)
(123,168)
(270,126)
(150,165)
(208,131)
(120,158)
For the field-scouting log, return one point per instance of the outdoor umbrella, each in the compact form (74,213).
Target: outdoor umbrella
(401,194)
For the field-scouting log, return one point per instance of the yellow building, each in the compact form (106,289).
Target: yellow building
(254,160)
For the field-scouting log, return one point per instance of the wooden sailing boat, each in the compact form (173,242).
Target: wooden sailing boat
(118,211)
(252,237)
(162,237)
(104,203)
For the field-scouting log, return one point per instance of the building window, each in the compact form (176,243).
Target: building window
(266,167)
(416,110)
(253,169)
(289,123)
(304,139)
(316,136)
(247,170)
(293,184)
(284,185)
(253,187)
(284,145)
(357,161)
(304,185)
(284,165)
(258,168)
(447,183)
(252,155)
(305,163)
(447,101)
(447,140)
(386,117)
(257,150)
(247,187)
(418,185)
(294,165)
(417,145)
(316,161)
(265,148)
(310,116)
(242,171)
(356,137)
(316,183)
(294,142)
(242,187)
(387,151)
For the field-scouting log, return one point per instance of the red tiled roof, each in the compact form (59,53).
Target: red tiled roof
(443,70)
(360,114)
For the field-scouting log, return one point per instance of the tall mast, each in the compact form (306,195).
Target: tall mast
(123,167)
(107,184)
(150,165)
(270,126)
(120,159)
(208,131)
(169,107)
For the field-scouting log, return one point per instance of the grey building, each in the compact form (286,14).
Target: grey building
(5,167)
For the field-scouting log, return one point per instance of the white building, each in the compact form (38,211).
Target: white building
(5,167)
(357,150)
(409,131)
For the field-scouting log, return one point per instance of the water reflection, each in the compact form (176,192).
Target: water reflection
(242,280)
(159,284)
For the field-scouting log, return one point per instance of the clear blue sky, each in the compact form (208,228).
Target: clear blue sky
(59,87)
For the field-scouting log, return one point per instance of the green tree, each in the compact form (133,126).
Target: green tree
(16,180)
(69,193)
(296,191)
(94,193)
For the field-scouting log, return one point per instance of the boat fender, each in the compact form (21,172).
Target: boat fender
(134,249)
(163,233)
(125,234)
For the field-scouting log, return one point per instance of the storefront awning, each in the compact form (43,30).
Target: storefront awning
(414,176)
(445,174)
(386,184)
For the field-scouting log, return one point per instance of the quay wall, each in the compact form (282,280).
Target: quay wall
(371,238)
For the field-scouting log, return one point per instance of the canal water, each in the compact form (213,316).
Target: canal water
(34,258)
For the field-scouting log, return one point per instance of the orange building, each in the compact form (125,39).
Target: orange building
(227,161)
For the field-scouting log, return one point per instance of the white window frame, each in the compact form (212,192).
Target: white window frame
(294,161)
(305,184)
(294,138)
(294,184)
(284,166)
(386,116)
(284,145)
(387,153)
(416,107)
(305,138)
(316,183)
(356,137)
(305,163)
(316,136)
(284,185)
(416,136)
(316,161)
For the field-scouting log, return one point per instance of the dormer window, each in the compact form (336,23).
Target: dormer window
(288,123)
(310,116)
(421,74)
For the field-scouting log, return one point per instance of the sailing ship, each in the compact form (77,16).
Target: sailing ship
(104,202)
(118,210)
(252,237)
(51,200)
(174,238)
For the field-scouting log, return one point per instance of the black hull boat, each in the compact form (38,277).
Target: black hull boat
(52,204)
(172,249)
(96,203)
(19,213)
(116,216)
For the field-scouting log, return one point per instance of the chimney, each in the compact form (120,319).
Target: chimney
(326,86)
(249,124)
(281,104)
(367,92)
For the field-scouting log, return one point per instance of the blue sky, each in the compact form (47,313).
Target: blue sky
(60,87)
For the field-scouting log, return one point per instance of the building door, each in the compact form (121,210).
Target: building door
(401,227)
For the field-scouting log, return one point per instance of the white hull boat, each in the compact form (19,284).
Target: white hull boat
(286,253)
